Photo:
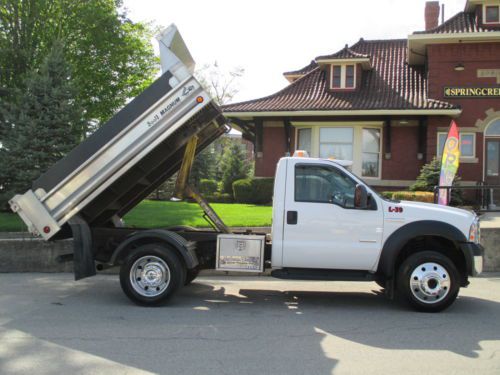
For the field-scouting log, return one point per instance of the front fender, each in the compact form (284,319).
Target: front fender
(397,240)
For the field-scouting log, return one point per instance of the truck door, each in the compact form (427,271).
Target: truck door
(322,228)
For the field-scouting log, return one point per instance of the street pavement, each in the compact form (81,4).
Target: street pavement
(50,324)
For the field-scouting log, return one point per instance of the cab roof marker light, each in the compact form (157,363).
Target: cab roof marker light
(300,154)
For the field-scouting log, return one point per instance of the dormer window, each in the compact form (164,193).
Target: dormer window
(343,76)
(491,14)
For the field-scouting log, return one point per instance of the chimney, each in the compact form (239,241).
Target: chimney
(431,14)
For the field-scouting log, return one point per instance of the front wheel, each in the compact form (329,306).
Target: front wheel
(151,274)
(429,281)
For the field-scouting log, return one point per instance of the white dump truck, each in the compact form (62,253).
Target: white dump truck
(327,223)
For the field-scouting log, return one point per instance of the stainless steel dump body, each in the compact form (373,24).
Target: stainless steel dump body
(129,156)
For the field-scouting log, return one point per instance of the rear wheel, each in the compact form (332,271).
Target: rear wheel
(151,274)
(428,281)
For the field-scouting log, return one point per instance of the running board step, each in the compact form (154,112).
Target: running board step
(322,274)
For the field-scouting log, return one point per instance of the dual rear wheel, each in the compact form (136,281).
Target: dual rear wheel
(151,274)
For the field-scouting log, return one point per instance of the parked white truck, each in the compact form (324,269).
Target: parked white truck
(327,223)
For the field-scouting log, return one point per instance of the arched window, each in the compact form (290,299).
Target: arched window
(493,129)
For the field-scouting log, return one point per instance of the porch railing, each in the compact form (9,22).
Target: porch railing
(485,199)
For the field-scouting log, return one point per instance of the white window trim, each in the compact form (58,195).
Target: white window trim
(379,176)
(357,141)
(343,76)
(484,14)
(439,153)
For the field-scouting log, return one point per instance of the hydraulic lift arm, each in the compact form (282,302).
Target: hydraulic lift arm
(184,190)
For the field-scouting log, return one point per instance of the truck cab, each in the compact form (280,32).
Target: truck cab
(328,224)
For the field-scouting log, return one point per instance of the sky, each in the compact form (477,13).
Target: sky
(269,37)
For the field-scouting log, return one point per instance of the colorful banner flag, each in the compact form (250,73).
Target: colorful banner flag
(449,162)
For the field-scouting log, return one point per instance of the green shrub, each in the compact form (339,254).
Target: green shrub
(253,190)
(219,198)
(208,187)
(429,178)
(417,196)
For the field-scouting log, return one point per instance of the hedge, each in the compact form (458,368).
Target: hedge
(253,190)
(219,198)
(418,196)
(208,187)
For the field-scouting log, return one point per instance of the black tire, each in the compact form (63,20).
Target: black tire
(148,289)
(191,275)
(428,281)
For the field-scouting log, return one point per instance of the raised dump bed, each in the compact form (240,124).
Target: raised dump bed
(128,157)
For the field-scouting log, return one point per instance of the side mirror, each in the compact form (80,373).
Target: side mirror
(360,197)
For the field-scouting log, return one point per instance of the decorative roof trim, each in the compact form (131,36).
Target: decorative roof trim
(361,112)
(364,61)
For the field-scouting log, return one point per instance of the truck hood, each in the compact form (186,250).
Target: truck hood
(404,212)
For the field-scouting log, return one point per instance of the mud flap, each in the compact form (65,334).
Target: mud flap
(83,258)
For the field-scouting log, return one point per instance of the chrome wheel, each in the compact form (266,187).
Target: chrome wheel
(150,276)
(430,283)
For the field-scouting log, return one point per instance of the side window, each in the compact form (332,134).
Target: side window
(323,184)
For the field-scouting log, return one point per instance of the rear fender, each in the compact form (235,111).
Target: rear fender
(184,248)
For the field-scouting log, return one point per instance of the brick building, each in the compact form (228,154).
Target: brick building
(387,104)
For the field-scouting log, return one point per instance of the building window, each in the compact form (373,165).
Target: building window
(336,79)
(343,77)
(493,129)
(467,144)
(304,140)
(349,76)
(336,143)
(491,14)
(370,166)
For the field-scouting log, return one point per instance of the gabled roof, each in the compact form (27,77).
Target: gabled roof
(391,85)
(460,23)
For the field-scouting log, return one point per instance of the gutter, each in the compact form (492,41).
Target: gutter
(374,112)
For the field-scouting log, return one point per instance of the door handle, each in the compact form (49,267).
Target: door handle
(291,217)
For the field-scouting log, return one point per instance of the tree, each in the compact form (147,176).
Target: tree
(234,167)
(428,179)
(44,122)
(111,57)
(221,85)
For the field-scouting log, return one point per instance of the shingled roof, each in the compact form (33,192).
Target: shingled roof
(391,85)
(460,23)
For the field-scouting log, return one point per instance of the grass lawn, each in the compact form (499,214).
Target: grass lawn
(161,214)
(151,214)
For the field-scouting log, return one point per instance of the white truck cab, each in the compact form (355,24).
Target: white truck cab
(327,222)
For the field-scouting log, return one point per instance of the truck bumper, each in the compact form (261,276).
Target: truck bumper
(474,256)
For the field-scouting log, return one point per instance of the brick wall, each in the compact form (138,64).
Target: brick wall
(441,62)
(403,164)
(273,148)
